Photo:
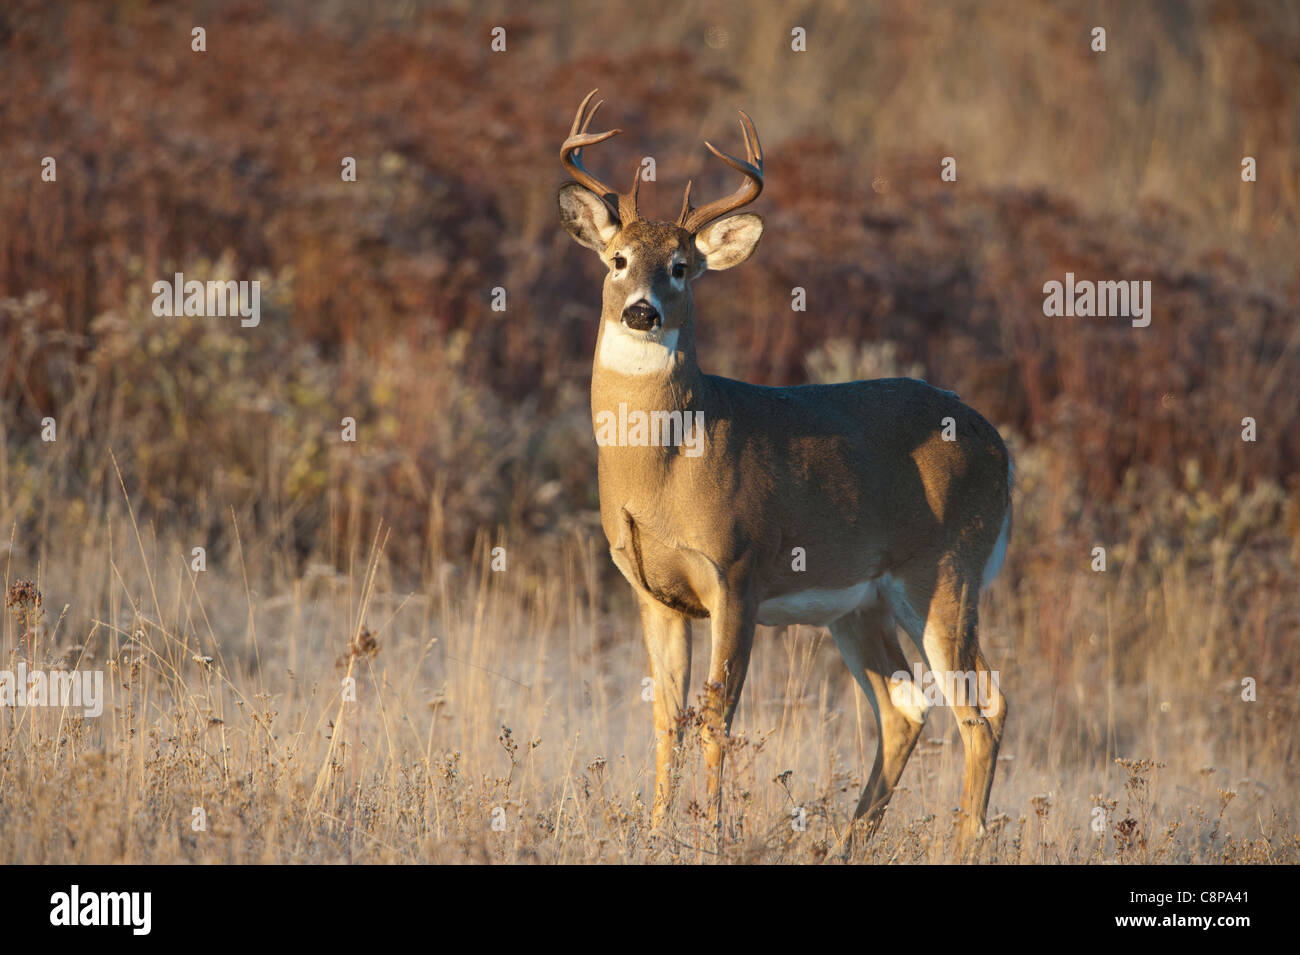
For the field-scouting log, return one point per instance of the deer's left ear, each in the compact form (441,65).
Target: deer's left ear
(586,217)
(730,241)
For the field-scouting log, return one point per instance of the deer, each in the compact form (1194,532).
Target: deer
(896,493)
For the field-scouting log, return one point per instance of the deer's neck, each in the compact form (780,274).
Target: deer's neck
(641,392)
(647,375)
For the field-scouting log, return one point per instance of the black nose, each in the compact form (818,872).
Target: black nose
(641,316)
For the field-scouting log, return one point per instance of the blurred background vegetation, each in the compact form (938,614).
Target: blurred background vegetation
(376,294)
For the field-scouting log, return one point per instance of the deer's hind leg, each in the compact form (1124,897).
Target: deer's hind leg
(950,643)
(869,644)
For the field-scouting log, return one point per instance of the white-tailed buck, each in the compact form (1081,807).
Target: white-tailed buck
(898,494)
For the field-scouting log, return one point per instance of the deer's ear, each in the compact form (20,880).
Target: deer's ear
(729,241)
(586,217)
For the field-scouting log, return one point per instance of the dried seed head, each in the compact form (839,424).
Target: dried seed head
(23,598)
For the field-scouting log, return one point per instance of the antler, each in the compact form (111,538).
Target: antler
(692,220)
(571,156)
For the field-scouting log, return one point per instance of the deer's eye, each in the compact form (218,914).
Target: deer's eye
(679,270)
(620,263)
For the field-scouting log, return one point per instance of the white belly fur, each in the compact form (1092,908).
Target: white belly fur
(816,607)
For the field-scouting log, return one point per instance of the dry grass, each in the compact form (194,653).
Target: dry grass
(515,696)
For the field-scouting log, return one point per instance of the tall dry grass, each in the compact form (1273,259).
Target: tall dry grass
(515,698)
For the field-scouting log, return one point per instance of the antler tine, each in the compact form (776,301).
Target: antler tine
(686,204)
(692,220)
(582,119)
(753,148)
(571,157)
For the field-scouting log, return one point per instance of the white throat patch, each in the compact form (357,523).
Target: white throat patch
(628,353)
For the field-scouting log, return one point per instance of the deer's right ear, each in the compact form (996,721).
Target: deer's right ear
(586,217)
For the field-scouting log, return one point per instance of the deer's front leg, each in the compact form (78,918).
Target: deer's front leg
(668,641)
(732,621)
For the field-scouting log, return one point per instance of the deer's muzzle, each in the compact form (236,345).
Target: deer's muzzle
(641,316)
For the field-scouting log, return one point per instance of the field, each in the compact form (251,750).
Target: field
(341,675)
